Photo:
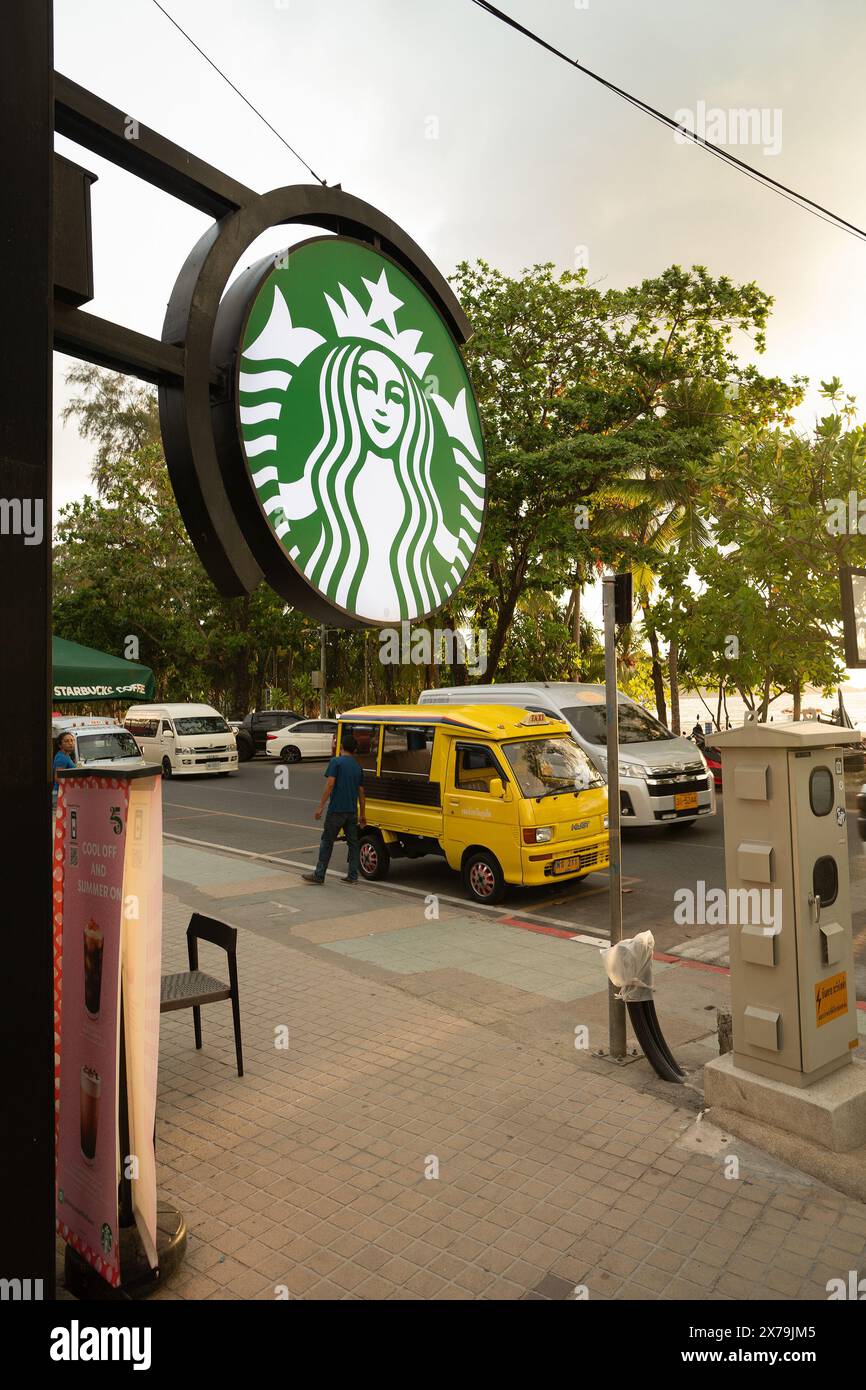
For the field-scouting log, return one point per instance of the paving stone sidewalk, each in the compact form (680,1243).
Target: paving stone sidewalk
(431,1131)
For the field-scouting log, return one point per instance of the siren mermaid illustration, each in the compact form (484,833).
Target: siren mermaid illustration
(379,545)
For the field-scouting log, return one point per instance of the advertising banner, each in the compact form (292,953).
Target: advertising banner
(89,843)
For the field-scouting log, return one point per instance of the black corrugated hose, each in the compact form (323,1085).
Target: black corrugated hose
(647,1030)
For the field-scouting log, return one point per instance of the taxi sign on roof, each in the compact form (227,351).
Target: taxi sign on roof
(537,717)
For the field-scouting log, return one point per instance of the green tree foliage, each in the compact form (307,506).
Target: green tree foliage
(762,614)
(115,412)
(609,401)
(125,566)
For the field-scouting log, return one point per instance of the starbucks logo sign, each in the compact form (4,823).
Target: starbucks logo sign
(360,432)
(320,430)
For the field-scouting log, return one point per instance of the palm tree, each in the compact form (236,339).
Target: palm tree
(659,508)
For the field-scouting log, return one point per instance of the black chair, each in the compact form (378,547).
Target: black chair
(190,989)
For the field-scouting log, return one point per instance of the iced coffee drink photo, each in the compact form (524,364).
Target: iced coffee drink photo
(94,940)
(91,1085)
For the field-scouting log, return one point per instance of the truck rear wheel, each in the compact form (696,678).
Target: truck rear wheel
(483,878)
(375,859)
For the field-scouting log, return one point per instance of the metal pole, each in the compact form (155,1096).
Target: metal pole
(322,655)
(366,668)
(26,293)
(616,1008)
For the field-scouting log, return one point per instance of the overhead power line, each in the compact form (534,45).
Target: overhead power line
(798,199)
(240,94)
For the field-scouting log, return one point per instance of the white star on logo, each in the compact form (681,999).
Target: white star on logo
(382,303)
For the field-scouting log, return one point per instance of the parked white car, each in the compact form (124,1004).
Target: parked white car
(309,738)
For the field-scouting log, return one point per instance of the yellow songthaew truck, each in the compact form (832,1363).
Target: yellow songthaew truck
(505,795)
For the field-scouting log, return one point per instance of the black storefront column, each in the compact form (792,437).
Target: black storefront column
(26,287)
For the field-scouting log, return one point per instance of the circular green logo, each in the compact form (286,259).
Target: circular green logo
(360,431)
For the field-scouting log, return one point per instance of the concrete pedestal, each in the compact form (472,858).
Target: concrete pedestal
(831,1112)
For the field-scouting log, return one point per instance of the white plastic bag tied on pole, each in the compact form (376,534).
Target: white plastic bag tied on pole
(629,966)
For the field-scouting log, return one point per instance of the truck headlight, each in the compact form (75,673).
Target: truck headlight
(539,836)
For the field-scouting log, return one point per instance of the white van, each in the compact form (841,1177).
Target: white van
(183,738)
(98,741)
(663,778)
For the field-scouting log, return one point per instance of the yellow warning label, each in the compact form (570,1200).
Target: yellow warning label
(831,999)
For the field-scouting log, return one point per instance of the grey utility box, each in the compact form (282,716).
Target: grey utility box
(793,997)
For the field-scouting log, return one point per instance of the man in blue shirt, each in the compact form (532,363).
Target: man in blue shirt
(344,789)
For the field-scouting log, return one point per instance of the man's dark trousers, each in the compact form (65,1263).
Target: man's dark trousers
(335,821)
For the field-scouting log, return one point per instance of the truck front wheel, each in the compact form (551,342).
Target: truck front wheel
(483,878)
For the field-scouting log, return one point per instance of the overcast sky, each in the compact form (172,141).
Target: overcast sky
(529,160)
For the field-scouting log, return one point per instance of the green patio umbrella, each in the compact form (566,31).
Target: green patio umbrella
(84,675)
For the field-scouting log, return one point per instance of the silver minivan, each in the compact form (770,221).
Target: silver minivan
(663,778)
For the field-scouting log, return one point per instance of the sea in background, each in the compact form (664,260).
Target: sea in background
(854,696)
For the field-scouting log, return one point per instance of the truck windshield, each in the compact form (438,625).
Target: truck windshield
(635,724)
(202,724)
(551,765)
(104,748)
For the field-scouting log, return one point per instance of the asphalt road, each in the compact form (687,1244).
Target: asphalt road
(246,811)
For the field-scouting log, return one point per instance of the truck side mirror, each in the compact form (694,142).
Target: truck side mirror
(496,788)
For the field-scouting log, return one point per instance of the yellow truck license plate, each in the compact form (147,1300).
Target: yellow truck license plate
(685,801)
(565,866)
